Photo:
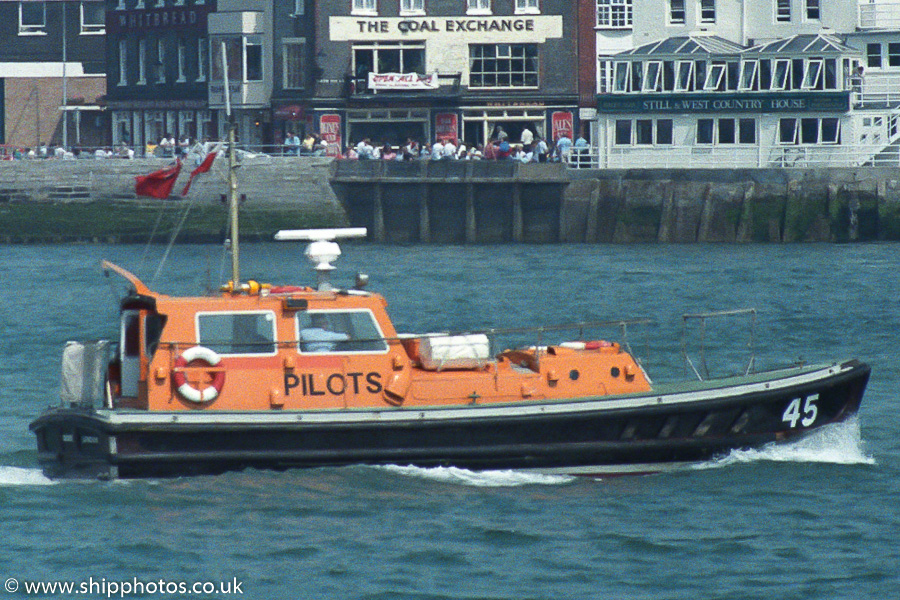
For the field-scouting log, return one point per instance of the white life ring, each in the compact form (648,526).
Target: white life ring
(185,389)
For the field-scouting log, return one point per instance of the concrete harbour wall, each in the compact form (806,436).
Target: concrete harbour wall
(453,202)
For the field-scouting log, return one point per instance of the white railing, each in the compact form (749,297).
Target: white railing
(879,89)
(717,157)
(882,15)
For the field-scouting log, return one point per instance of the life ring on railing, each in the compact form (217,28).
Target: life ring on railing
(185,389)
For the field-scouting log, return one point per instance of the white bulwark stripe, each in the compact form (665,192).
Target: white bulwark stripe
(416,414)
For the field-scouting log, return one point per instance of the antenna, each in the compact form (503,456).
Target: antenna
(322,250)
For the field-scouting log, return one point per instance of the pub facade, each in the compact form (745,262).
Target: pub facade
(388,70)
(157,54)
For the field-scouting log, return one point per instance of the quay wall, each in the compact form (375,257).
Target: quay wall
(89,200)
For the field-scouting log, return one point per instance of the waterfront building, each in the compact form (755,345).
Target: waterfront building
(158,57)
(52,73)
(461,70)
(742,84)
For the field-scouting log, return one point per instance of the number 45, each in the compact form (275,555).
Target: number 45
(792,413)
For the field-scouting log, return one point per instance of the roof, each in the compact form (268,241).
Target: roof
(684,45)
(820,43)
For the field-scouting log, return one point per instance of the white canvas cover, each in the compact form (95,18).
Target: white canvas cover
(84,367)
(439,352)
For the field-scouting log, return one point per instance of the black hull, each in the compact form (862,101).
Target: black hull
(625,434)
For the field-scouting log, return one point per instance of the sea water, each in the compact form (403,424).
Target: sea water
(814,519)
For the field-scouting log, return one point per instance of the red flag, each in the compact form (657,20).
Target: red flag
(158,184)
(205,166)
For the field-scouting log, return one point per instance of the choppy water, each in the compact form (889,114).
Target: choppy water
(818,519)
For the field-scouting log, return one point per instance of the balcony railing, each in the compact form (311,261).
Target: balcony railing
(695,157)
(884,15)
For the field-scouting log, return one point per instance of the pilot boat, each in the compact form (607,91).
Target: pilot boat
(278,377)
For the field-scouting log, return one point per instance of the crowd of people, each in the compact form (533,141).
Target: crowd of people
(530,148)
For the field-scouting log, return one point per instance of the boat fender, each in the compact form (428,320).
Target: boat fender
(185,389)
(597,344)
(398,386)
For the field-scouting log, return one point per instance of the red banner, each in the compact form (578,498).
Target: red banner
(446,127)
(330,130)
(563,123)
(157,184)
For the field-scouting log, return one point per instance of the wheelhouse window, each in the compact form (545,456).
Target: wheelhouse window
(93,18)
(707,11)
(342,332)
(32,18)
(676,12)
(503,65)
(250,332)
(614,14)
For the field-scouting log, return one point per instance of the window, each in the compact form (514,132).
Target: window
(707,11)
(623,132)
(705,131)
(478,7)
(365,7)
(643,132)
(726,131)
(93,18)
(299,8)
(339,331)
(747,131)
(604,74)
(123,62)
(202,58)
(614,14)
(620,77)
(783,11)
(676,12)
(831,77)
(251,332)
(812,78)
(652,78)
(684,80)
(787,131)
(160,61)
(530,7)
(292,66)
(142,62)
(812,10)
(387,58)
(748,76)
(253,58)
(182,51)
(503,65)
(412,7)
(893,57)
(873,55)
(32,18)
(831,131)
(714,78)
(782,71)
(664,132)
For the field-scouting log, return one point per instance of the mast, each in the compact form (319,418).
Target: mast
(232,177)
(233,208)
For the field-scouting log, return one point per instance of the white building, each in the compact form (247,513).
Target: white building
(740,83)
